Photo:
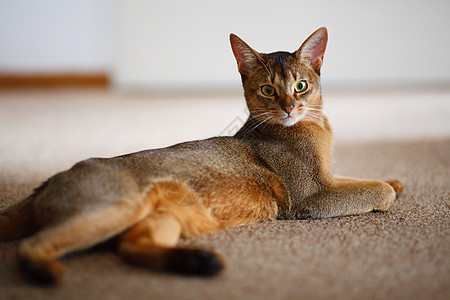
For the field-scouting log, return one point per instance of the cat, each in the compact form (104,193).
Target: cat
(275,167)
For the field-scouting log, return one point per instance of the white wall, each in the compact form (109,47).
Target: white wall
(184,44)
(55,35)
(163,44)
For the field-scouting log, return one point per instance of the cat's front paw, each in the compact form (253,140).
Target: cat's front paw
(386,196)
(396,184)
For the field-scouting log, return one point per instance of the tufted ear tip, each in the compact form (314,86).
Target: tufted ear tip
(233,38)
(322,30)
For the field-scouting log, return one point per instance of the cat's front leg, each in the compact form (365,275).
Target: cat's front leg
(395,183)
(349,196)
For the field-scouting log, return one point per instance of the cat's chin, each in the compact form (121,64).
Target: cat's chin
(289,121)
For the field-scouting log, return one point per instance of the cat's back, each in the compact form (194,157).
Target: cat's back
(219,155)
(207,160)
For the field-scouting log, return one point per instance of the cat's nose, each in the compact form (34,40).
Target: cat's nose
(288,108)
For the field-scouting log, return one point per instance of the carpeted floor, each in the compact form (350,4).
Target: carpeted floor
(401,254)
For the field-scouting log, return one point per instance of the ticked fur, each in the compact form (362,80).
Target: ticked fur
(276,166)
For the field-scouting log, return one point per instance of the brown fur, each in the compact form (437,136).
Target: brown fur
(277,166)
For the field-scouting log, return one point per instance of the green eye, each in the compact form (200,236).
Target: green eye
(301,86)
(268,90)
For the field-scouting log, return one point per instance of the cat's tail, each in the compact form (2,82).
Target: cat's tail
(18,220)
(195,262)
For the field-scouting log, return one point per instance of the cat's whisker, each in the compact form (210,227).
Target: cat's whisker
(321,115)
(258,110)
(266,120)
(261,114)
(258,116)
(315,109)
(320,120)
(314,113)
(258,120)
(315,117)
(267,124)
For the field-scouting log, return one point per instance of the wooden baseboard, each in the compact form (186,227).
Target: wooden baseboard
(60,80)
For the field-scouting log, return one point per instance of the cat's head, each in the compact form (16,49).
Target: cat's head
(282,87)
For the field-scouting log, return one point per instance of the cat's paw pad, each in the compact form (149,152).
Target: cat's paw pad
(396,184)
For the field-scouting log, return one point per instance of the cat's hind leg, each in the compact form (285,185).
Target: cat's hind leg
(38,254)
(152,244)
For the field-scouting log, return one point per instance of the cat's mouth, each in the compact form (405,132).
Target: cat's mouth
(289,120)
(292,118)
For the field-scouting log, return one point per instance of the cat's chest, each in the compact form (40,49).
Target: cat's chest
(300,165)
(295,159)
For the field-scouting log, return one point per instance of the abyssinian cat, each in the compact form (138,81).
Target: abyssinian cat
(276,166)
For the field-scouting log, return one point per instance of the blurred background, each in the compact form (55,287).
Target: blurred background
(179,46)
(82,78)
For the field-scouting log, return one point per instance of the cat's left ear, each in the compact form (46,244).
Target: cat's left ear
(247,58)
(313,49)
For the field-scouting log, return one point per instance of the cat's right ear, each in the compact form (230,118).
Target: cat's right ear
(246,57)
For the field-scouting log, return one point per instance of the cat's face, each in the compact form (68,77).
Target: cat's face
(282,87)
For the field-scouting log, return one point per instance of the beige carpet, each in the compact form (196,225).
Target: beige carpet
(401,254)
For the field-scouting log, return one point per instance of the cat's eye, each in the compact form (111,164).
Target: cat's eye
(268,90)
(301,86)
